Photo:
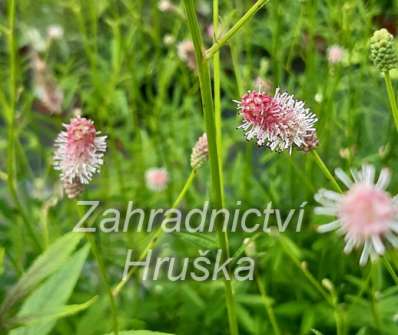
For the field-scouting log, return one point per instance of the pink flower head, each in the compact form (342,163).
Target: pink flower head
(335,54)
(79,151)
(366,214)
(156,179)
(279,122)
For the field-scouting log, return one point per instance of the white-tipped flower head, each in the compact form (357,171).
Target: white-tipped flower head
(382,50)
(366,214)
(279,122)
(156,179)
(336,54)
(200,152)
(79,151)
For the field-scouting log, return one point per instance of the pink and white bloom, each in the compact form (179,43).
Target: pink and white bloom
(278,122)
(156,179)
(79,151)
(336,54)
(366,214)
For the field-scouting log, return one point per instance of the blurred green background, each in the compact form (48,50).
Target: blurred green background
(118,62)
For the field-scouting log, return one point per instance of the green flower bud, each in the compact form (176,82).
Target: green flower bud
(382,50)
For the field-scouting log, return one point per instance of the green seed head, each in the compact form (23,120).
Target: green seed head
(382,50)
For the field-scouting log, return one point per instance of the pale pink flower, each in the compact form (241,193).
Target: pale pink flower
(156,179)
(279,122)
(186,52)
(200,152)
(336,54)
(55,32)
(79,151)
(366,214)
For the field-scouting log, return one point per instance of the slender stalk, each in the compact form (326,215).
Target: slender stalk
(235,28)
(217,193)
(390,269)
(391,98)
(267,304)
(105,281)
(217,95)
(104,277)
(11,149)
(374,302)
(326,171)
(158,233)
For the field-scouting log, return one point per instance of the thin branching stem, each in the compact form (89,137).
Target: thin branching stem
(214,154)
(235,28)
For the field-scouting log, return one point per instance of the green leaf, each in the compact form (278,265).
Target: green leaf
(52,296)
(57,313)
(200,240)
(45,265)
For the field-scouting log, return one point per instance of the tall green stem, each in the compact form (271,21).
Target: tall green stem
(326,171)
(104,277)
(235,28)
(267,304)
(11,152)
(208,109)
(105,281)
(156,236)
(217,95)
(391,98)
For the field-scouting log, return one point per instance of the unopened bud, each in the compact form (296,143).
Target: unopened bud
(200,152)
(382,50)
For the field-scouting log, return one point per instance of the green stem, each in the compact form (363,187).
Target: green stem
(235,28)
(374,302)
(391,98)
(326,171)
(105,281)
(267,304)
(11,152)
(217,95)
(104,277)
(390,269)
(216,181)
(157,234)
